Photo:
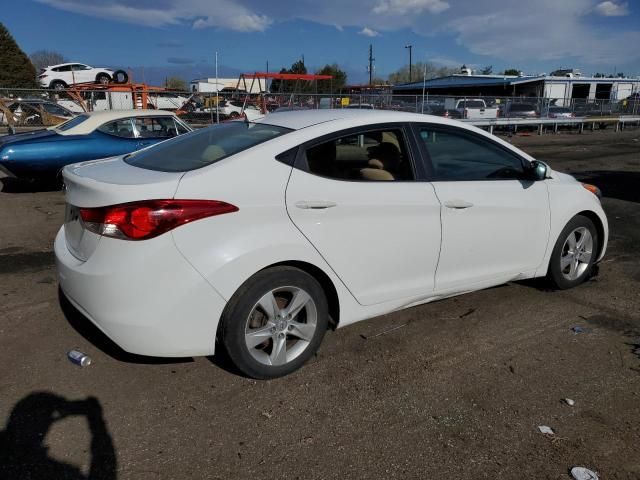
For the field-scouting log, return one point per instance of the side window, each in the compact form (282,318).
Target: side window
(181,129)
(119,128)
(456,155)
(64,68)
(155,127)
(78,66)
(376,155)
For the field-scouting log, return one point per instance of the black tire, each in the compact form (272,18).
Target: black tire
(234,115)
(120,76)
(58,85)
(555,275)
(236,319)
(103,78)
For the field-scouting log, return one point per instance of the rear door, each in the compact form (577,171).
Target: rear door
(495,224)
(359,199)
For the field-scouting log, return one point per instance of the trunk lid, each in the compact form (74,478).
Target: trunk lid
(105,182)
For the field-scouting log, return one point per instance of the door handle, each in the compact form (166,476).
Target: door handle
(315,204)
(457,204)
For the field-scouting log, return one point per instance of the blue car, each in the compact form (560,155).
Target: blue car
(39,155)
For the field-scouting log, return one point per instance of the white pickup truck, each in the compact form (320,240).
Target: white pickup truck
(471,108)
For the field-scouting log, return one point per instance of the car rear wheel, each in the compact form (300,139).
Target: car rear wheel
(274,323)
(103,78)
(574,253)
(58,85)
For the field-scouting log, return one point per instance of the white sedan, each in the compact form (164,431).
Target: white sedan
(254,237)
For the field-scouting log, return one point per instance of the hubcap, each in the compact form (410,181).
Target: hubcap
(576,253)
(281,326)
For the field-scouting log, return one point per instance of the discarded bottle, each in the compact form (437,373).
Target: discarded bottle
(79,358)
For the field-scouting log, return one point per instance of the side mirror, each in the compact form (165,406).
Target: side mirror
(537,171)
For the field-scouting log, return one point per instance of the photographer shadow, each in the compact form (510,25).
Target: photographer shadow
(22,450)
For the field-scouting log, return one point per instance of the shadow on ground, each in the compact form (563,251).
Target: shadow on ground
(14,185)
(614,184)
(24,455)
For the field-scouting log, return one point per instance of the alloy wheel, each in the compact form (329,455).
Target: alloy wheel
(576,253)
(281,326)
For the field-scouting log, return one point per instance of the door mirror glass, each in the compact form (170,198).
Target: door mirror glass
(537,170)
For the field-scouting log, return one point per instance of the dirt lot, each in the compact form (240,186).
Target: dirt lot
(457,392)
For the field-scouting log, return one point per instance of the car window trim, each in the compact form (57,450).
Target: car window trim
(428,164)
(300,162)
(131,122)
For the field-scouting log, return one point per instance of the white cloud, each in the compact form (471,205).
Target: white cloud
(412,7)
(559,31)
(227,14)
(367,32)
(612,9)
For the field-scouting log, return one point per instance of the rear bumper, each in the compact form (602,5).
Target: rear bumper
(143,295)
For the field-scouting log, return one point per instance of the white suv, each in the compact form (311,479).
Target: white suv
(60,76)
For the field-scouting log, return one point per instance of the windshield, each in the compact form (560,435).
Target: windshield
(204,147)
(63,127)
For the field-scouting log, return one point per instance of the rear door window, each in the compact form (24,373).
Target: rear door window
(155,127)
(204,147)
(118,128)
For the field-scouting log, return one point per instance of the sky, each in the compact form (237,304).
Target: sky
(160,38)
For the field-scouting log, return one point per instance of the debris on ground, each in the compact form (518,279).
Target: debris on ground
(578,329)
(546,430)
(467,313)
(267,414)
(384,332)
(79,358)
(569,402)
(581,473)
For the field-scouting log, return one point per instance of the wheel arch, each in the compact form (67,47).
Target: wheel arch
(597,221)
(325,282)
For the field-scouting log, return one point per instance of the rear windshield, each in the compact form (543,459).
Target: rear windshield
(74,122)
(472,104)
(204,147)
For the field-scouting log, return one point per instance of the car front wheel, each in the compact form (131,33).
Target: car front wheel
(274,323)
(574,253)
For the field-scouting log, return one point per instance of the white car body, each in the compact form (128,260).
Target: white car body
(233,108)
(474,109)
(382,247)
(71,73)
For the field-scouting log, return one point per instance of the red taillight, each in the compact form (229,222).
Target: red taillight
(149,218)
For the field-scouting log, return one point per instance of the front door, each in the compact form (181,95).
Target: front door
(355,197)
(495,224)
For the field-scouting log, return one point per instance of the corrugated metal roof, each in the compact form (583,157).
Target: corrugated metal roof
(454,81)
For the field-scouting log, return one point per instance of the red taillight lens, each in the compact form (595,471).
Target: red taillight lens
(149,218)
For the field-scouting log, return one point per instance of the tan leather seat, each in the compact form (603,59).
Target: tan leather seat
(375,174)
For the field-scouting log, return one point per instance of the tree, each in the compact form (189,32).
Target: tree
(46,58)
(16,70)
(339,79)
(420,70)
(488,70)
(511,71)
(176,83)
(287,85)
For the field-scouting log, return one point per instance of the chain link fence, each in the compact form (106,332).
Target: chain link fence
(41,108)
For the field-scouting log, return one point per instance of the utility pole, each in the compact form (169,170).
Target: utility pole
(371,59)
(410,47)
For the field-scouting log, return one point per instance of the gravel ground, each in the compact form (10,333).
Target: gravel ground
(457,391)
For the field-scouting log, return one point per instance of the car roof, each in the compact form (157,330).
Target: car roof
(298,119)
(98,118)
(65,64)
